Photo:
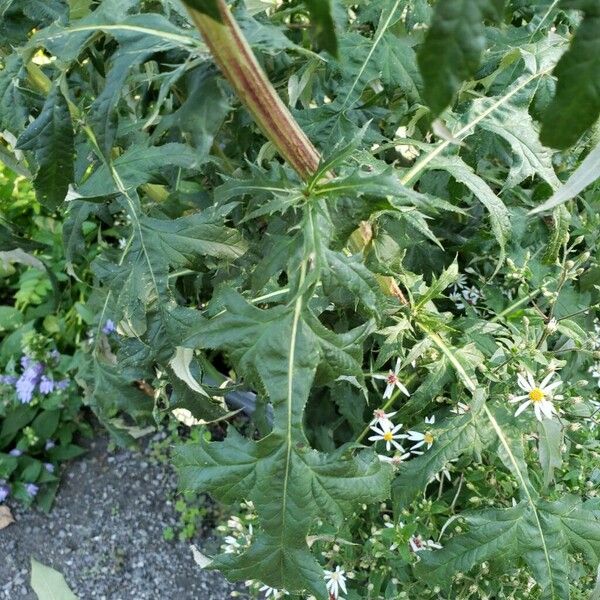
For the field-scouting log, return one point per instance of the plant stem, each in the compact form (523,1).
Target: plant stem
(236,60)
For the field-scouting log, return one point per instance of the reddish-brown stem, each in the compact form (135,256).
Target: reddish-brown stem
(239,65)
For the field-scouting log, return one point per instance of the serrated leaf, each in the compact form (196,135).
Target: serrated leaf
(538,533)
(575,107)
(499,218)
(453,47)
(13,112)
(49,584)
(50,139)
(550,434)
(290,483)
(587,172)
(322,20)
(515,125)
(137,166)
(458,435)
(182,242)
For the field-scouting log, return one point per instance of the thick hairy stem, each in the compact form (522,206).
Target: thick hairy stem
(239,65)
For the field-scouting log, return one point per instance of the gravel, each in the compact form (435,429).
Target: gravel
(105,535)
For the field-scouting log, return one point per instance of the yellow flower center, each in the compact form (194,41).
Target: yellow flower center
(536,395)
(388,436)
(428,438)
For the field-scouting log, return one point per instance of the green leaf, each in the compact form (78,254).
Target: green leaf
(561,219)
(138,165)
(13,111)
(182,242)
(322,20)
(515,125)
(50,138)
(587,172)
(540,534)
(290,483)
(457,435)
(550,433)
(499,218)
(398,63)
(439,284)
(575,107)
(453,47)
(49,584)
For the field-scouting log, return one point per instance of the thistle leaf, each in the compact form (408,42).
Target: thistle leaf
(453,47)
(50,139)
(291,484)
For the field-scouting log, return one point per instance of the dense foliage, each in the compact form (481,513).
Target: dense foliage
(409,256)
(41,325)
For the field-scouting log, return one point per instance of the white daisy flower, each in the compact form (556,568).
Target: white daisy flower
(418,544)
(540,396)
(422,438)
(335,580)
(389,434)
(395,460)
(381,418)
(392,381)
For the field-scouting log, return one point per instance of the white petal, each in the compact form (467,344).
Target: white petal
(343,585)
(421,443)
(547,408)
(388,445)
(415,436)
(537,411)
(379,376)
(519,398)
(551,387)
(402,388)
(388,391)
(375,438)
(395,428)
(397,446)
(396,371)
(530,380)
(523,383)
(522,408)
(546,380)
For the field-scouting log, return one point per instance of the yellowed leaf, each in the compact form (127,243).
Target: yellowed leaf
(6,517)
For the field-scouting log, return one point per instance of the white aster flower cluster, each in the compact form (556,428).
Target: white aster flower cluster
(464,295)
(239,536)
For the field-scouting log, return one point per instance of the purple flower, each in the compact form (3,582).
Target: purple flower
(31,489)
(4,491)
(49,467)
(8,379)
(49,444)
(109,327)
(25,385)
(16,452)
(46,385)
(25,361)
(55,355)
(63,384)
